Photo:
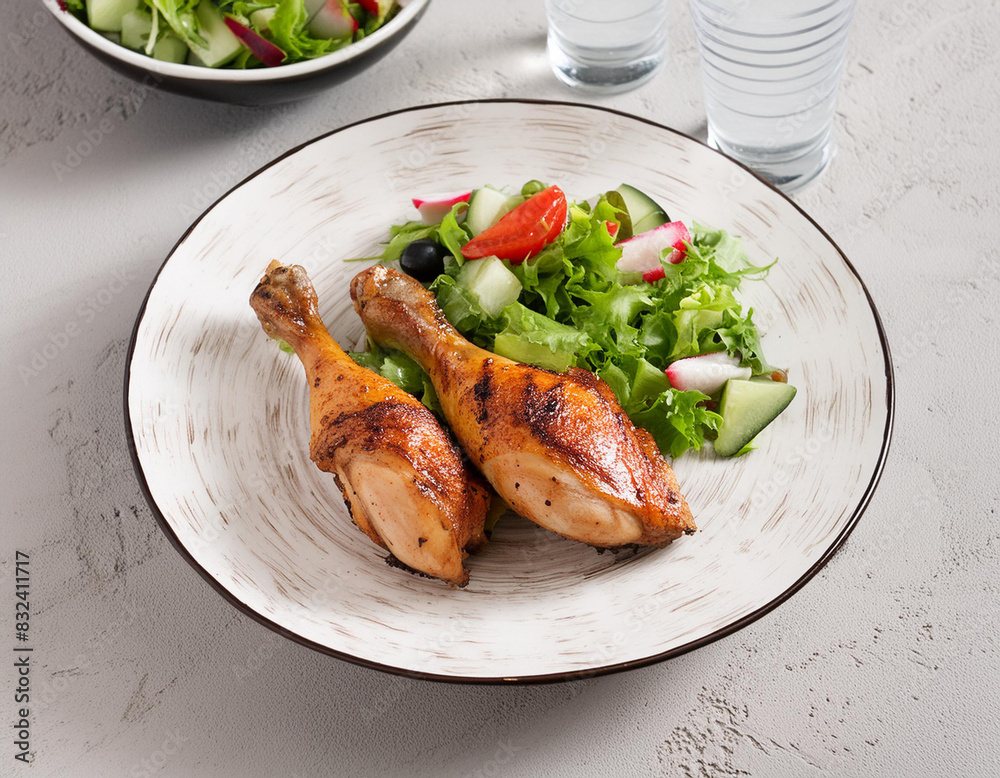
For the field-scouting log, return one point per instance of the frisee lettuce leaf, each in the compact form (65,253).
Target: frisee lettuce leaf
(449,233)
(532,337)
(678,421)
(402,370)
(179,15)
(288,33)
(453,235)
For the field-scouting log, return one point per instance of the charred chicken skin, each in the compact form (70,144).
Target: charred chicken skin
(403,479)
(557,447)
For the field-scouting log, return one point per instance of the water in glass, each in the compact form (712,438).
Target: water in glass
(771,69)
(606,46)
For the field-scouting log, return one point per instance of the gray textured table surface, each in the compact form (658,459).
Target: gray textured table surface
(885,664)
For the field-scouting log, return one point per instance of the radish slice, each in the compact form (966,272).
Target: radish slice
(641,253)
(377,8)
(332,20)
(433,208)
(706,373)
(261,47)
(654,275)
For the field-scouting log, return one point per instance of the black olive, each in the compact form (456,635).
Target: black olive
(423,259)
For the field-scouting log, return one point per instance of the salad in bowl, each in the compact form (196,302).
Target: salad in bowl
(234,34)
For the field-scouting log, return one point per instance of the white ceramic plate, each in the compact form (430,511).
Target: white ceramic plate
(218,417)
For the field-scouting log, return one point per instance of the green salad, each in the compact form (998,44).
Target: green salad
(233,33)
(610,285)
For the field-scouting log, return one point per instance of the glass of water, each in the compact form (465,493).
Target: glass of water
(606,46)
(771,69)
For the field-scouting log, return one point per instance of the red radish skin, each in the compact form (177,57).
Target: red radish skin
(261,47)
(332,20)
(654,275)
(706,373)
(377,8)
(433,208)
(641,253)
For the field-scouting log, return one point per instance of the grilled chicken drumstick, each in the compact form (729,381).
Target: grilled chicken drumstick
(403,479)
(558,448)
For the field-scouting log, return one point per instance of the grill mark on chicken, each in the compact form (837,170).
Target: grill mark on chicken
(545,412)
(380,427)
(481,392)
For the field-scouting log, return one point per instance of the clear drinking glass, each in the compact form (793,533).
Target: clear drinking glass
(771,69)
(606,46)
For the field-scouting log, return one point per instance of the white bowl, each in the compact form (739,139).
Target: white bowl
(258,86)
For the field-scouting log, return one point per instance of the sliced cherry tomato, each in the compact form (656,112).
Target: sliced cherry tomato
(523,232)
(612,229)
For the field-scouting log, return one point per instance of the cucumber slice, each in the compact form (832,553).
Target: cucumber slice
(136,26)
(487,206)
(490,281)
(747,406)
(106,15)
(260,19)
(646,214)
(222,44)
(170,48)
(649,382)
(521,350)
